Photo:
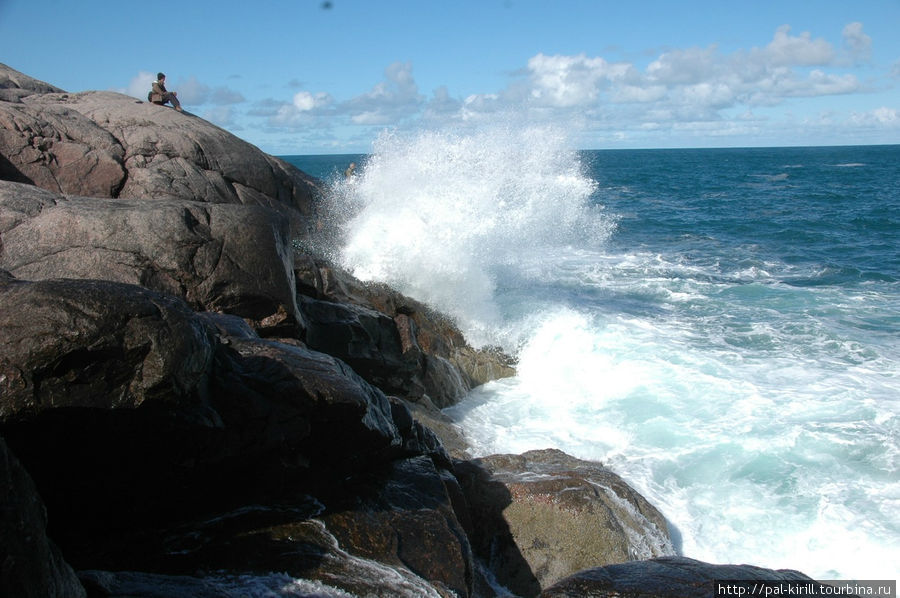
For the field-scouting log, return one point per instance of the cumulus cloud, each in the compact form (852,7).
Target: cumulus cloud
(305,101)
(565,81)
(801,50)
(140,84)
(685,67)
(857,43)
(223,116)
(192,91)
(879,117)
(394,98)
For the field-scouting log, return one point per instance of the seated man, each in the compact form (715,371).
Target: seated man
(159,95)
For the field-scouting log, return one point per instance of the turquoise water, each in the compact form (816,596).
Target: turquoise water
(721,327)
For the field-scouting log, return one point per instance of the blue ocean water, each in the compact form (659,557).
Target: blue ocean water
(720,326)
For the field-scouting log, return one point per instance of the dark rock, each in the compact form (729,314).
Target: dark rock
(668,577)
(31,566)
(130,410)
(391,530)
(543,515)
(342,575)
(303,403)
(218,257)
(405,517)
(449,433)
(446,367)
(368,341)
(68,344)
(251,542)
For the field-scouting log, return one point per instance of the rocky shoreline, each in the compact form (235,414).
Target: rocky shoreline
(193,401)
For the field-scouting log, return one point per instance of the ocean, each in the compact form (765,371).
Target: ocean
(721,327)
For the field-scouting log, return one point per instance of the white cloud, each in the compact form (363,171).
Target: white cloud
(565,81)
(222,116)
(223,96)
(192,92)
(797,51)
(140,84)
(684,67)
(857,43)
(388,101)
(879,117)
(442,106)
(305,101)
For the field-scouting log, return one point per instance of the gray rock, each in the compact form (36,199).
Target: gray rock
(104,144)
(219,257)
(31,566)
(15,85)
(543,515)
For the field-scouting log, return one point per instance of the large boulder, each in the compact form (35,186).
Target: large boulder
(680,577)
(67,344)
(31,566)
(218,257)
(105,144)
(310,407)
(543,515)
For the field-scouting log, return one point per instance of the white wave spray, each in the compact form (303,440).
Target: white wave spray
(440,215)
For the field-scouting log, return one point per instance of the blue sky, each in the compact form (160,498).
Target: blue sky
(309,76)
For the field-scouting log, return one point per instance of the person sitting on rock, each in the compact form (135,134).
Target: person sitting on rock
(159,95)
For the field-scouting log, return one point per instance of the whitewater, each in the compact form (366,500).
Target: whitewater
(719,327)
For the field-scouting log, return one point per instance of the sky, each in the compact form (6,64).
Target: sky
(329,76)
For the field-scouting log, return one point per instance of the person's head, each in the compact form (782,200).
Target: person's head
(160,77)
